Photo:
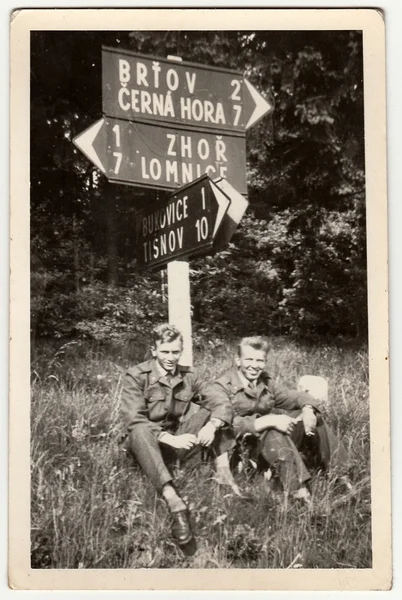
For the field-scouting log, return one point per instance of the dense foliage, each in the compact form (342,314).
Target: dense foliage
(297,263)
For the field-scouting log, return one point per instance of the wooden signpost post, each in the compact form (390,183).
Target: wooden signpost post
(184,227)
(175,125)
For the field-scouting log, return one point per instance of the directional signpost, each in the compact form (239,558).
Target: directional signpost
(162,157)
(179,126)
(186,226)
(147,89)
(233,216)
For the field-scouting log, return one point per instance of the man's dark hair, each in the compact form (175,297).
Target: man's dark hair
(165,333)
(258,342)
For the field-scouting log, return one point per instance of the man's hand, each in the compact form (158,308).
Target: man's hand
(309,420)
(186,441)
(284,423)
(206,434)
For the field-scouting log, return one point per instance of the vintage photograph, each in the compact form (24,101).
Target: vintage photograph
(199,310)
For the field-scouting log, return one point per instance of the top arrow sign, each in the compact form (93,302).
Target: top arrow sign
(146,89)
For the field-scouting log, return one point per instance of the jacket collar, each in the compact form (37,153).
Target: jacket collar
(236,382)
(159,374)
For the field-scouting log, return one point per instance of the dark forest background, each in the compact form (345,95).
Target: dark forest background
(297,263)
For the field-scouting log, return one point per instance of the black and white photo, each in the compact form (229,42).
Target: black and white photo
(203,275)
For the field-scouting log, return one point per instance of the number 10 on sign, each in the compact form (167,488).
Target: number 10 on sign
(202,224)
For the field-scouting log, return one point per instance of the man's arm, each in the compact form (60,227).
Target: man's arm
(218,401)
(256,424)
(286,399)
(215,398)
(134,410)
(133,405)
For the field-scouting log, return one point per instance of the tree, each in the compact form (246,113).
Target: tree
(297,263)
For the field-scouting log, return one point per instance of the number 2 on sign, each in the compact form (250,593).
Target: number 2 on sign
(202,229)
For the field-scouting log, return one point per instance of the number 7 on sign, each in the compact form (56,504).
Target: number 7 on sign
(118,156)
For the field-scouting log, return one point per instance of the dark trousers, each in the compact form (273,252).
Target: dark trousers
(152,456)
(282,453)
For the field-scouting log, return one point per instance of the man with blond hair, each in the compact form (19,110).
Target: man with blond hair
(166,416)
(283,422)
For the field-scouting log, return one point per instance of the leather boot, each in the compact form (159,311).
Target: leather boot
(181,530)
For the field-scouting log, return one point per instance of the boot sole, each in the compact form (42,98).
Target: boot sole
(184,542)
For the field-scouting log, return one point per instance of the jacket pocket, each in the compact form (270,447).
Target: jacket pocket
(183,396)
(154,395)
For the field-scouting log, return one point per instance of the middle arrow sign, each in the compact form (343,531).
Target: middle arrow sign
(185,226)
(162,157)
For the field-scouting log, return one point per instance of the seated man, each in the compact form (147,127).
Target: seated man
(284,421)
(161,418)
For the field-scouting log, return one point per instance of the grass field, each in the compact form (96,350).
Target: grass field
(91,507)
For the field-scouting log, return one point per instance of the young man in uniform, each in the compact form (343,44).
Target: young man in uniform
(165,414)
(283,421)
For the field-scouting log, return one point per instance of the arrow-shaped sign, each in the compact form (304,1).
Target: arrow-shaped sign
(85,140)
(199,97)
(260,106)
(162,157)
(233,216)
(185,226)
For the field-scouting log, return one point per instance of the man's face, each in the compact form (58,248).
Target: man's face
(168,354)
(251,362)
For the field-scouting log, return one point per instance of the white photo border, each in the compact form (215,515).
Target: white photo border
(21,576)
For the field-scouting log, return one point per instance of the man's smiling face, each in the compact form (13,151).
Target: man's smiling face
(251,362)
(168,354)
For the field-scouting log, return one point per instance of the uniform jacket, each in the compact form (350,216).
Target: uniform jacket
(149,397)
(248,404)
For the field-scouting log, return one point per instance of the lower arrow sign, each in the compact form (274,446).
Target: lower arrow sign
(185,226)
(233,216)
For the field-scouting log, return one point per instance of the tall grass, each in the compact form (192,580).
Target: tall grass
(91,506)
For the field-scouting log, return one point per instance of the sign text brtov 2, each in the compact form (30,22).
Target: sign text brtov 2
(141,88)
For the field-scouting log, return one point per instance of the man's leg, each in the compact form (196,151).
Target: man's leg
(192,424)
(194,420)
(282,455)
(323,448)
(220,447)
(145,447)
(332,452)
